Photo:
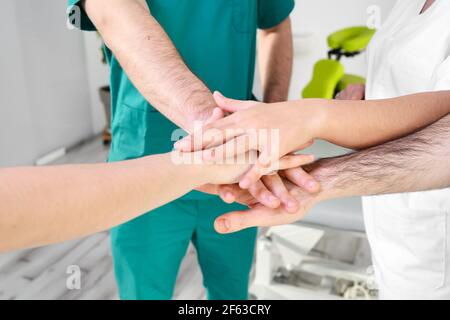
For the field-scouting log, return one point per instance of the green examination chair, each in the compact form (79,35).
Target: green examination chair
(329,76)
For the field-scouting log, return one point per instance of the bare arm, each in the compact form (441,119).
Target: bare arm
(361,124)
(275,56)
(44,205)
(150,60)
(352,124)
(418,162)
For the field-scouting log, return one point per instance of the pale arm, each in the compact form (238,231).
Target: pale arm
(361,124)
(150,60)
(44,205)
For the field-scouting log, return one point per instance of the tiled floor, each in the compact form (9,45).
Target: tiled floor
(41,273)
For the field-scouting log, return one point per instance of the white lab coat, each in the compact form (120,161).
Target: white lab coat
(410,233)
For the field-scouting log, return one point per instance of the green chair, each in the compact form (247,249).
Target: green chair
(329,76)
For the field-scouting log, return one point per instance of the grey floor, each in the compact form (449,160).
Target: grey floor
(42,273)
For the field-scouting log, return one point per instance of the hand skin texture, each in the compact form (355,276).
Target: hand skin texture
(259,193)
(151,61)
(351,124)
(418,162)
(157,70)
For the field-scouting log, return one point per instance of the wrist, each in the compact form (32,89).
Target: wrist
(189,167)
(314,115)
(326,173)
(199,110)
(208,172)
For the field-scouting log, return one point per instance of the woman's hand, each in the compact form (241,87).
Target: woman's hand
(274,130)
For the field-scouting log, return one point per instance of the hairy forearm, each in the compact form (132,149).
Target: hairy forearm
(418,162)
(150,60)
(50,204)
(362,124)
(275,56)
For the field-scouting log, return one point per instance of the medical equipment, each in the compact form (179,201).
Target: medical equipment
(329,76)
(305,261)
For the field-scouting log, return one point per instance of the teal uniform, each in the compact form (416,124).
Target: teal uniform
(217,40)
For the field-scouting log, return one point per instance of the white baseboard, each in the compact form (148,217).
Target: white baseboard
(51,157)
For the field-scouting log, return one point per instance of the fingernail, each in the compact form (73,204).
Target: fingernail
(291,204)
(245,183)
(230,196)
(264,161)
(217,93)
(272,198)
(312,184)
(183,144)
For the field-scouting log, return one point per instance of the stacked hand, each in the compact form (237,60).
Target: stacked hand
(275,131)
(261,216)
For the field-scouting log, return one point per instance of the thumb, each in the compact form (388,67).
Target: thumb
(231,105)
(258,216)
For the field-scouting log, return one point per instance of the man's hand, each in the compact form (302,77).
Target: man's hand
(423,164)
(274,130)
(352,92)
(261,216)
(271,190)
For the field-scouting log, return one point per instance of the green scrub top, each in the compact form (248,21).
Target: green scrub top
(216,39)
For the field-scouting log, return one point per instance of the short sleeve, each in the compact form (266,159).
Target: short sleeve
(441,77)
(78,17)
(272,12)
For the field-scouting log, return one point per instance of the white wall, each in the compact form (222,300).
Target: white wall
(45,102)
(98,76)
(16,126)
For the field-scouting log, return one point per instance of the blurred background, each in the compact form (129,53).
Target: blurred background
(51,111)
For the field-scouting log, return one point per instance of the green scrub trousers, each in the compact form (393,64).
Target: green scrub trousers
(217,40)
